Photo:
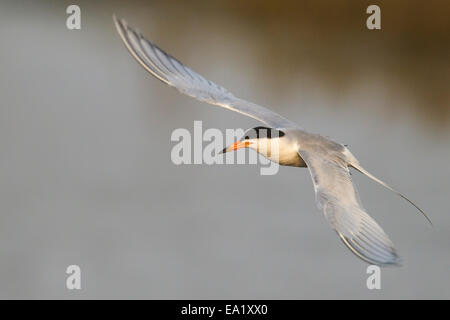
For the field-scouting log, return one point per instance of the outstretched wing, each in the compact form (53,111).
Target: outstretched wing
(337,197)
(171,71)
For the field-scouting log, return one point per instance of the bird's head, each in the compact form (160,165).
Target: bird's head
(258,138)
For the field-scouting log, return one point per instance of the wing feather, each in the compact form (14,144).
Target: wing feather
(337,197)
(172,72)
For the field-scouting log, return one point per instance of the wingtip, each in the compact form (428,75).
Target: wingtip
(395,262)
(119,21)
(121,26)
(115,19)
(389,257)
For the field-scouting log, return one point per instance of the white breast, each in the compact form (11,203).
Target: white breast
(288,151)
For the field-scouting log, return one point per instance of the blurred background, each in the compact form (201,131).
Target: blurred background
(85,170)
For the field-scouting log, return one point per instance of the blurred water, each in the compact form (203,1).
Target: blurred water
(86,176)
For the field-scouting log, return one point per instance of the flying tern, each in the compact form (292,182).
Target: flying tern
(328,161)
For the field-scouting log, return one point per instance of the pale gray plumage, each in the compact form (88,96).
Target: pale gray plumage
(337,197)
(328,161)
(169,70)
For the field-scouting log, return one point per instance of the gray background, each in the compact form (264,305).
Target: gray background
(85,170)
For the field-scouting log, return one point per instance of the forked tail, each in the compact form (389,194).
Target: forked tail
(363,171)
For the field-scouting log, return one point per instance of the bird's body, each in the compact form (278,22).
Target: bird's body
(288,151)
(294,139)
(328,161)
